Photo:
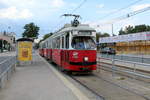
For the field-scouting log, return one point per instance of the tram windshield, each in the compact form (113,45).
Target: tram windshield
(83,43)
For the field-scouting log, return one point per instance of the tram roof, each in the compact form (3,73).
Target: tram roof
(69,27)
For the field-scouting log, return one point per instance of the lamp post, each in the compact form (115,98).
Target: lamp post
(112,29)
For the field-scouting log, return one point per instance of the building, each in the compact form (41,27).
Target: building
(137,43)
(9,38)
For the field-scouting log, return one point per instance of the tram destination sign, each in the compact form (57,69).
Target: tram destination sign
(85,33)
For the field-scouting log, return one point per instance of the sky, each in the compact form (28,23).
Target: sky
(46,14)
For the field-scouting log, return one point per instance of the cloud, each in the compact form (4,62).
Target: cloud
(138,7)
(100,6)
(50,6)
(14,13)
(34,3)
(57,3)
(21,3)
(105,11)
(102,27)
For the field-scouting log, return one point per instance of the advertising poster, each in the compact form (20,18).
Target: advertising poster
(24,51)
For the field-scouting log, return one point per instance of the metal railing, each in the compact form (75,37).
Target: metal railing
(141,58)
(132,68)
(6,68)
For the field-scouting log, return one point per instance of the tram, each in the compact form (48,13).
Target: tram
(72,48)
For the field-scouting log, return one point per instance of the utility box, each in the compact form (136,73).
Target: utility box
(24,51)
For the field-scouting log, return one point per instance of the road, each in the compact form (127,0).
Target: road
(6,55)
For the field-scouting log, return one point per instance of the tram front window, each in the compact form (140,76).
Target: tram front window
(83,43)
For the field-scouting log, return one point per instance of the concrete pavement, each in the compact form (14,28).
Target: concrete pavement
(37,82)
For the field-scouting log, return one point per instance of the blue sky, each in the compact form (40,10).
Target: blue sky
(46,14)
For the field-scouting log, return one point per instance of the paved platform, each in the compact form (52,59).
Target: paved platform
(38,82)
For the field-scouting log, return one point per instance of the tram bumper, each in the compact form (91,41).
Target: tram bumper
(82,66)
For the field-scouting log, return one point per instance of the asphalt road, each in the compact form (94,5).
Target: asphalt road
(6,55)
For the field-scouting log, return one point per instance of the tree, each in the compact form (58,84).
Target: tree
(44,37)
(47,35)
(105,35)
(31,30)
(121,32)
(99,34)
(140,28)
(148,28)
(130,29)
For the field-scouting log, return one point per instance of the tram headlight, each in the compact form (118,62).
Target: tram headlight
(86,58)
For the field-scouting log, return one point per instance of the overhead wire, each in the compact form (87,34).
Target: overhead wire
(118,10)
(75,9)
(128,15)
(79,6)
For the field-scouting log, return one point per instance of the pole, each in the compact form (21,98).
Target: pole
(2,46)
(112,27)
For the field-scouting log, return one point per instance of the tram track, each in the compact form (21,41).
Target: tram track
(70,75)
(84,81)
(95,91)
(88,88)
(123,87)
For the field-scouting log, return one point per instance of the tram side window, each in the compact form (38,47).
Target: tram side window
(47,44)
(53,44)
(62,42)
(58,43)
(67,41)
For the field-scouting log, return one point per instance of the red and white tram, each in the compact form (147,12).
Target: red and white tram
(72,48)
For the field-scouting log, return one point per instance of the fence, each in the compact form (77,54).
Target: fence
(6,68)
(134,69)
(140,59)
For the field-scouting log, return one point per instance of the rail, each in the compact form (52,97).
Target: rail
(130,67)
(6,68)
(141,58)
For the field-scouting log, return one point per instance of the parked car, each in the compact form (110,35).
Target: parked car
(108,50)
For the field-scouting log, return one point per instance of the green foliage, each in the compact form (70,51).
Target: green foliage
(31,30)
(121,32)
(130,29)
(105,35)
(47,36)
(98,35)
(44,37)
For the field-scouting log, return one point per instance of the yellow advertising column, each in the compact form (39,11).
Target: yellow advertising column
(24,50)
